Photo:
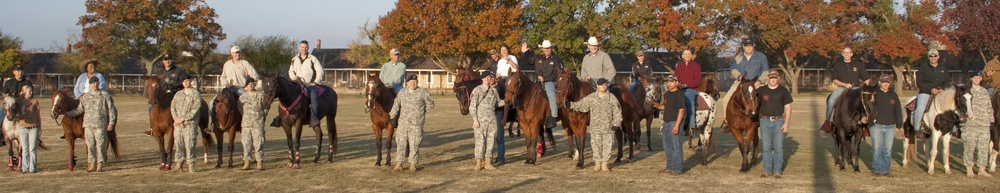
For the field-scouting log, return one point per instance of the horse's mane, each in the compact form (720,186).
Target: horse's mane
(708,84)
(70,102)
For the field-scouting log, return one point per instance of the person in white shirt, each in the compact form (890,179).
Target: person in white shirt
(506,62)
(307,70)
(235,74)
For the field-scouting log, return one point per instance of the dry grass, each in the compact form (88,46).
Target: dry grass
(446,163)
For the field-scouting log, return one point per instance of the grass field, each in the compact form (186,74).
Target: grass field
(446,163)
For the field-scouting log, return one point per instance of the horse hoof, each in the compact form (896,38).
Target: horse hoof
(930,172)
(289,165)
(947,171)
(378,164)
(296,166)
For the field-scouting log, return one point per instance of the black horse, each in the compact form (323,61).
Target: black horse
(849,123)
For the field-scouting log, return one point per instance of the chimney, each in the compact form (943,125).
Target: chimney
(319,43)
(69,47)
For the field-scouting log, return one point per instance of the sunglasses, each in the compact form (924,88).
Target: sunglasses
(933,56)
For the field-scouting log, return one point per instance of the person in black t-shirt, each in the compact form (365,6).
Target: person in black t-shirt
(847,74)
(887,120)
(673,114)
(775,111)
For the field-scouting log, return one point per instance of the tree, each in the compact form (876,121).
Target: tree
(364,53)
(562,23)
(695,24)
(200,38)
(974,24)
(445,29)
(899,39)
(628,25)
(269,54)
(10,52)
(143,30)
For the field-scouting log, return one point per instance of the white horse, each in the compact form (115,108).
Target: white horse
(943,114)
(11,136)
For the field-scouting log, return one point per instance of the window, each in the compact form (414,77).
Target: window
(344,77)
(430,78)
(450,79)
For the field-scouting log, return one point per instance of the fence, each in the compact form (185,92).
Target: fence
(117,83)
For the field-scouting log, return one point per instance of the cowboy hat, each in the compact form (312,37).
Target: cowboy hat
(545,44)
(592,41)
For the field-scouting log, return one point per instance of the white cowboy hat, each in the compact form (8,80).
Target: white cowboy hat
(592,41)
(545,44)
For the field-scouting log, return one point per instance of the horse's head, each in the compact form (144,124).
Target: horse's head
(746,93)
(513,86)
(564,86)
(709,84)
(868,97)
(11,107)
(465,80)
(654,90)
(962,99)
(61,102)
(268,84)
(155,88)
(373,89)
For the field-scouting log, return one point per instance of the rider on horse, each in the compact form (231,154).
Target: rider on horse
(547,67)
(172,76)
(393,72)
(235,74)
(751,65)
(306,69)
(597,64)
(689,76)
(932,78)
(847,74)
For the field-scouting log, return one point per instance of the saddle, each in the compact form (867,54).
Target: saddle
(912,106)
(701,104)
(319,90)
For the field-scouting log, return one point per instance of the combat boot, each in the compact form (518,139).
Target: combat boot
(969,172)
(90,167)
(399,167)
(487,165)
(413,167)
(479,165)
(246,165)
(597,166)
(604,167)
(191,167)
(982,172)
(100,167)
(259,166)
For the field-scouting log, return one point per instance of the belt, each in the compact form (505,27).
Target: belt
(772,118)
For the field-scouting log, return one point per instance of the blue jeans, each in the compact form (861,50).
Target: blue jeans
(550,92)
(672,147)
(312,100)
(918,113)
(499,137)
(29,140)
(831,100)
(691,95)
(396,88)
(635,83)
(882,136)
(772,142)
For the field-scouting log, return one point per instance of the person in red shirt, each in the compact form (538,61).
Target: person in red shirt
(689,76)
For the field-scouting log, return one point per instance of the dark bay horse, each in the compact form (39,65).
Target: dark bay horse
(741,115)
(378,103)
(626,133)
(161,121)
(293,101)
(994,132)
(847,125)
(648,92)
(62,102)
(465,81)
(571,88)
(532,110)
(944,112)
(226,118)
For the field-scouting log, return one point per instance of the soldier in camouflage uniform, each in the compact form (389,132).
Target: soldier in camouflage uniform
(976,128)
(253,125)
(484,123)
(605,115)
(184,109)
(100,115)
(410,106)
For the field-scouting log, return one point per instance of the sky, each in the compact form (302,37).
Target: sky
(46,25)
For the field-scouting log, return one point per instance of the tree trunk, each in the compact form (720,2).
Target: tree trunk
(791,70)
(900,78)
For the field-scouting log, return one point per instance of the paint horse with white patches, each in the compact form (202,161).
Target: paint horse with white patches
(944,113)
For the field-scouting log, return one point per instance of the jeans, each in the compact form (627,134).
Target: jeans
(882,136)
(499,137)
(918,113)
(312,100)
(691,95)
(550,92)
(772,141)
(635,83)
(831,100)
(396,88)
(29,140)
(672,147)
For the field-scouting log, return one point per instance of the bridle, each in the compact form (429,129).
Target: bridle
(302,92)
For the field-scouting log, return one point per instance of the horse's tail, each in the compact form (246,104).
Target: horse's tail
(42,145)
(113,141)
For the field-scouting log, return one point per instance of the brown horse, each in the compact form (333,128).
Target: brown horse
(532,110)
(649,90)
(570,88)
(160,119)
(226,118)
(62,102)
(741,115)
(293,100)
(378,103)
(626,133)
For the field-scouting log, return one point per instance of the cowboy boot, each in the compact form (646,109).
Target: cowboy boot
(604,167)
(100,167)
(968,171)
(398,167)
(191,167)
(259,166)
(413,167)
(246,165)
(487,165)
(479,165)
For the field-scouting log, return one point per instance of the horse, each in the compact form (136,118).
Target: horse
(293,100)
(62,102)
(849,124)
(226,118)
(741,115)
(650,91)
(994,131)
(626,133)
(378,103)
(708,93)
(465,81)
(571,88)
(11,135)
(161,121)
(944,112)
(532,109)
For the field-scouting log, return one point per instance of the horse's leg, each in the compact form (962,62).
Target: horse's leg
(170,148)
(218,146)
(993,158)
(754,142)
(569,139)
(856,151)
(378,144)
(298,145)
(742,144)
(649,142)
(552,139)
(319,143)
(232,144)
(288,141)
(932,147)
(946,147)
(72,161)
(390,138)
(331,128)
(620,142)
(838,144)
(578,148)
(906,150)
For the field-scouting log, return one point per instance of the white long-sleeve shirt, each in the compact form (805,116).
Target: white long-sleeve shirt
(236,73)
(503,66)
(307,70)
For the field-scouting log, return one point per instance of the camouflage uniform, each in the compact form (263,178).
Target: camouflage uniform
(976,131)
(253,126)
(484,101)
(410,107)
(184,107)
(605,114)
(98,111)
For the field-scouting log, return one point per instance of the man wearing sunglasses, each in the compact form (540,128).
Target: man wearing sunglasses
(932,78)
